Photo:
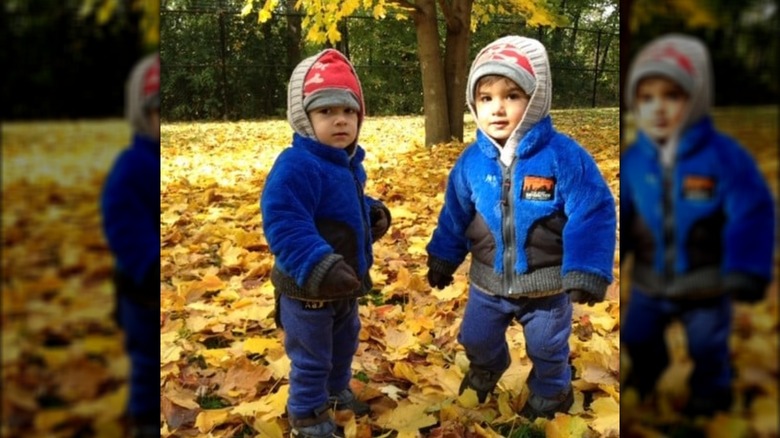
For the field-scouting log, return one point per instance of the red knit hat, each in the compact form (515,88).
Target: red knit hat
(151,85)
(331,82)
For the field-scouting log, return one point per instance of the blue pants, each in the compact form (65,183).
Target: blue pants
(546,325)
(321,339)
(707,326)
(141,326)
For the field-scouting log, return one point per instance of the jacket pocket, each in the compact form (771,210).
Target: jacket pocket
(544,245)
(483,244)
(343,239)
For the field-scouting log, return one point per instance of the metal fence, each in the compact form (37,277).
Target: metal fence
(218,65)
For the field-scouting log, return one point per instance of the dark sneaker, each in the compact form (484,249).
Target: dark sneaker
(145,427)
(318,425)
(544,407)
(145,431)
(707,406)
(481,381)
(346,401)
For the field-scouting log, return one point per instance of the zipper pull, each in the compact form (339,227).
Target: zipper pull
(505,192)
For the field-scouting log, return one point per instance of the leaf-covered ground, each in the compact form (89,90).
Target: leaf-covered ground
(223,370)
(64,371)
(223,366)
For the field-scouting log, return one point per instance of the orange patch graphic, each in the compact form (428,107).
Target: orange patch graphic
(698,187)
(538,188)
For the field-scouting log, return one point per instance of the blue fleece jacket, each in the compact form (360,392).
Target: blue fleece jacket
(712,229)
(130,205)
(550,217)
(314,209)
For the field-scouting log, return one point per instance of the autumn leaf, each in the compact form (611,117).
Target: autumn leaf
(565,426)
(407,418)
(606,413)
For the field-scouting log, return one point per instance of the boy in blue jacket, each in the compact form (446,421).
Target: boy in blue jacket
(130,206)
(531,206)
(320,226)
(698,218)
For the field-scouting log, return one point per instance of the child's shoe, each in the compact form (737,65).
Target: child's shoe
(346,400)
(543,407)
(709,405)
(481,381)
(144,427)
(318,425)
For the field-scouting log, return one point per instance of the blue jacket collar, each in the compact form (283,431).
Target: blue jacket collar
(533,140)
(692,139)
(146,143)
(337,156)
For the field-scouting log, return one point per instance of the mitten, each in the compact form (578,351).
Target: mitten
(750,296)
(583,297)
(340,280)
(380,221)
(746,288)
(439,280)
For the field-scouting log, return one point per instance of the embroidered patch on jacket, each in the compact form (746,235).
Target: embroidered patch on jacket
(538,188)
(698,187)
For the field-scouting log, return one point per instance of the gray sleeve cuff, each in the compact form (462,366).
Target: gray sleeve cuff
(593,284)
(319,272)
(441,266)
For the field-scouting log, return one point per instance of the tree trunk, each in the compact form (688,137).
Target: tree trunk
(437,126)
(456,63)
(293,37)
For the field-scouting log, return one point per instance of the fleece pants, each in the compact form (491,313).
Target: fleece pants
(141,326)
(320,339)
(707,325)
(546,325)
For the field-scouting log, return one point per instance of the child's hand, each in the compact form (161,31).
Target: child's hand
(380,221)
(582,297)
(340,280)
(746,288)
(748,296)
(438,280)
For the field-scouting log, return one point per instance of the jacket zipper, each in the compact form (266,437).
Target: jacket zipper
(366,223)
(507,225)
(668,224)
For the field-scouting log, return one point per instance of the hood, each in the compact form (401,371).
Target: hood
(684,60)
(296,112)
(142,92)
(539,104)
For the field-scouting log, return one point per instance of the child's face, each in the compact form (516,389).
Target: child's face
(335,126)
(500,106)
(661,106)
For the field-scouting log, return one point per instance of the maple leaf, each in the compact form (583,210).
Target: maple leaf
(407,419)
(606,413)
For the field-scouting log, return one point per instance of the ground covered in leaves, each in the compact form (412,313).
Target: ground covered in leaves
(223,368)
(223,365)
(64,371)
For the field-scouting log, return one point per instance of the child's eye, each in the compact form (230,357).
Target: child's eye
(484,98)
(349,111)
(674,95)
(514,96)
(325,111)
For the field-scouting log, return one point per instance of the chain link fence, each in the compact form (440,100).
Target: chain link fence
(218,65)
